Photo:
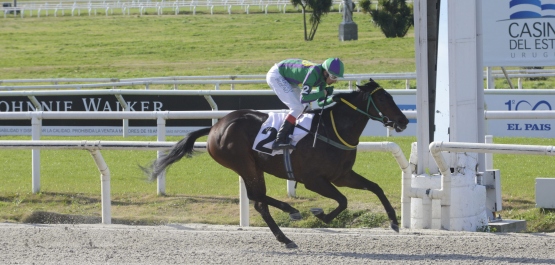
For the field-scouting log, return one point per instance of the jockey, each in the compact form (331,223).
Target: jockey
(298,82)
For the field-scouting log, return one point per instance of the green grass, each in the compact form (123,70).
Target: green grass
(518,174)
(190,45)
(186,45)
(70,184)
(199,190)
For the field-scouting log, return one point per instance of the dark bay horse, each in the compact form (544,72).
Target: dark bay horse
(320,168)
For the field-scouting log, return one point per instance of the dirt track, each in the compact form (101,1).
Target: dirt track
(208,244)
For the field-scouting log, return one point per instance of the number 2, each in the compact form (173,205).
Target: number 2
(271,137)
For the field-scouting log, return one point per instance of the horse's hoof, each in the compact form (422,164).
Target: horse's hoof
(317,211)
(295,216)
(291,245)
(395,227)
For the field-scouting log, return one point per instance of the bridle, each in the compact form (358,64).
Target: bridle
(383,119)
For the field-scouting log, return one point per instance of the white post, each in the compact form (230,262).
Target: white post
(406,186)
(489,156)
(459,101)
(422,101)
(125,107)
(490,79)
(463,74)
(480,101)
(243,204)
(291,192)
(35,154)
(106,200)
(161,137)
(426,212)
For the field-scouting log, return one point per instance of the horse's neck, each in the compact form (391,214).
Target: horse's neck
(349,125)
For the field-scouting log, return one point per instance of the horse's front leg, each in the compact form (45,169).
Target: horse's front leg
(356,181)
(294,214)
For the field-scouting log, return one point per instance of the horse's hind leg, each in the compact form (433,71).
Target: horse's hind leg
(356,181)
(262,208)
(256,191)
(323,187)
(294,214)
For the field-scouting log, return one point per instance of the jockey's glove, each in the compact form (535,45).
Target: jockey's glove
(325,102)
(329,89)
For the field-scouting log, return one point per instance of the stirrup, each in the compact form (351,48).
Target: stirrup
(282,146)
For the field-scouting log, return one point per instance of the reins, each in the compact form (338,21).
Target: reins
(370,100)
(344,145)
(337,133)
(367,113)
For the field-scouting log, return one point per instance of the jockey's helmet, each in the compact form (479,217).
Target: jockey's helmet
(334,66)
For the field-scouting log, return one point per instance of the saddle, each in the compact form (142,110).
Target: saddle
(268,132)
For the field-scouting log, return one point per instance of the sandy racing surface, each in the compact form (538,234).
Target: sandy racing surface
(209,244)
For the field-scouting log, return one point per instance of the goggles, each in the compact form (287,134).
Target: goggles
(332,77)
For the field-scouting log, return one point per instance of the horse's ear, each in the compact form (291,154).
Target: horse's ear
(370,86)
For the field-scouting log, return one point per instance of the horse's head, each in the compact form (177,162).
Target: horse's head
(380,106)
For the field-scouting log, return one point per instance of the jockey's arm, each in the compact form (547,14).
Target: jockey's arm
(309,92)
(307,96)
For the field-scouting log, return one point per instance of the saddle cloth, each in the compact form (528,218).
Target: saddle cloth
(268,132)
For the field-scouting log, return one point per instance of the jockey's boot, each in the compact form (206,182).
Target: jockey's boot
(283,139)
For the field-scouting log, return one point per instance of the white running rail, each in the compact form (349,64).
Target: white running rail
(94,148)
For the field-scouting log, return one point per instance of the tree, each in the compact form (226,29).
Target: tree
(319,8)
(393,17)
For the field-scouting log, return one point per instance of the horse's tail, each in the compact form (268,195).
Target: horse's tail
(183,148)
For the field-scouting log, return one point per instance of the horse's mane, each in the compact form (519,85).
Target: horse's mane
(337,97)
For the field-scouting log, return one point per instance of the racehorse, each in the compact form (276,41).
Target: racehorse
(319,167)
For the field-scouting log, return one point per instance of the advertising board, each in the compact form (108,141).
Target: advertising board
(509,100)
(518,32)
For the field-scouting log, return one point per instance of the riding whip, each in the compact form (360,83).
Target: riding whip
(319,121)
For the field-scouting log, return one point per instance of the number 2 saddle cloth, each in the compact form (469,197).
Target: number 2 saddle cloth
(268,132)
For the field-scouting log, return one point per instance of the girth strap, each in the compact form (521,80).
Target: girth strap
(287,162)
(328,140)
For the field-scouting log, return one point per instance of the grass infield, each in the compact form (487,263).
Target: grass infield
(198,189)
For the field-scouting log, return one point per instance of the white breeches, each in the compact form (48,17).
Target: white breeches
(289,94)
